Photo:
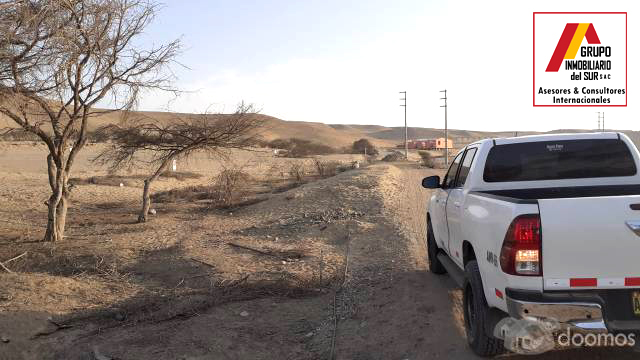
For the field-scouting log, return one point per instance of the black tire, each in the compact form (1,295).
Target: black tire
(435,265)
(476,315)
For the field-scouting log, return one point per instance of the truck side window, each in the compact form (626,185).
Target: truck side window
(466,166)
(453,171)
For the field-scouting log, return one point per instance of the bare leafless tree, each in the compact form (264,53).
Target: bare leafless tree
(146,141)
(58,59)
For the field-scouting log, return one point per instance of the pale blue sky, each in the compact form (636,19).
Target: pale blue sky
(253,34)
(345,61)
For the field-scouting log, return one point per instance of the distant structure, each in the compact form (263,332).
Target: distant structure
(430,144)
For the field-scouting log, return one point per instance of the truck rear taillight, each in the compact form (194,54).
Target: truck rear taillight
(522,248)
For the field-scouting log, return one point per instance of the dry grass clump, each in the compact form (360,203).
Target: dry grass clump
(326,168)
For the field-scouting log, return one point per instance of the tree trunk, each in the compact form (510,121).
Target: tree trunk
(61,212)
(57,215)
(52,233)
(146,197)
(146,201)
(57,204)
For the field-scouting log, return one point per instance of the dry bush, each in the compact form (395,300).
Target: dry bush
(326,168)
(297,171)
(303,148)
(363,146)
(279,144)
(426,159)
(18,135)
(276,172)
(98,136)
(109,180)
(297,148)
(180,175)
(370,159)
(134,180)
(393,156)
(230,186)
(188,194)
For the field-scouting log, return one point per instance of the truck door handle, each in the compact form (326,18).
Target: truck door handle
(456,204)
(634,226)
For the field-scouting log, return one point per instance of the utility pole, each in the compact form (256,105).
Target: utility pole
(406,140)
(446,135)
(600,129)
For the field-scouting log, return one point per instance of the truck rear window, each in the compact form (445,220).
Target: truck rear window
(555,160)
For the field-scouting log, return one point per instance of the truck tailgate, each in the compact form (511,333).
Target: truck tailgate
(589,242)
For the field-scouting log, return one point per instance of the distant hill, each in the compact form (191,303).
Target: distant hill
(338,135)
(397,133)
(633,135)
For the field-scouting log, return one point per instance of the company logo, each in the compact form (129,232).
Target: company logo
(579,59)
(569,43)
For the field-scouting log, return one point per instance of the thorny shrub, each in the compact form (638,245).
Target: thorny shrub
(230,186)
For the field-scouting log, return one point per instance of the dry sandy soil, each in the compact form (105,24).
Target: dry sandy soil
(333,268)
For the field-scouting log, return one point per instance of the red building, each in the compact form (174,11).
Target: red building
(428,144)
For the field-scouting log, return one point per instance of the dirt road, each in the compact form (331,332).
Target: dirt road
(405,312)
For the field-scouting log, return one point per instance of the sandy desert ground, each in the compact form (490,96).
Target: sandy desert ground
(334,268)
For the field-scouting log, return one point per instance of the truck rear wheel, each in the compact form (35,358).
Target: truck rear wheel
(435,265)
(476,315)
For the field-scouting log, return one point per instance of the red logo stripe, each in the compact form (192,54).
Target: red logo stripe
(590,282)
(632,281)
(591,36)
(563,46)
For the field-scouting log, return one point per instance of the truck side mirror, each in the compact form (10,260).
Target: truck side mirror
(431,182)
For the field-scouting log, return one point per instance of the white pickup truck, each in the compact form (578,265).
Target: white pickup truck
(540,227)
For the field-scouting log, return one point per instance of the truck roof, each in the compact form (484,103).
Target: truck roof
(551,137)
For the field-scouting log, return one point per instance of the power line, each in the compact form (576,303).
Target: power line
(406,140)
(446,137)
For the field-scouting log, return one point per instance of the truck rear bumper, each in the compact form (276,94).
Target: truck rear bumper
(589,310)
